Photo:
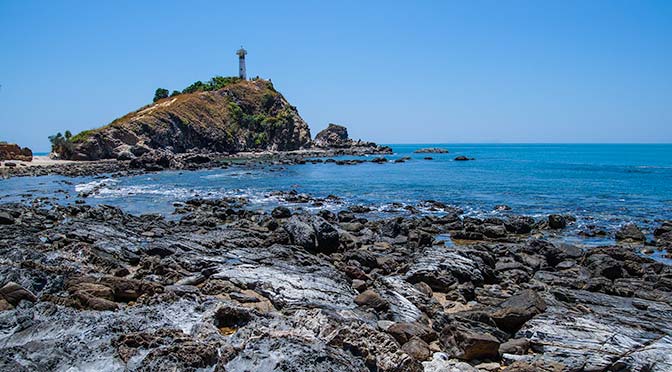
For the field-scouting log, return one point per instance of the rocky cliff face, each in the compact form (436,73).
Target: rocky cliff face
(243,116)
(11,151)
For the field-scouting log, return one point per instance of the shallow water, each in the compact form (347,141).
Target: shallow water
(604,185)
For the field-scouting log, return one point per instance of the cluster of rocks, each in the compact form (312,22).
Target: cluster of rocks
(226,287)
(432,150)
(140,159)
(11,151)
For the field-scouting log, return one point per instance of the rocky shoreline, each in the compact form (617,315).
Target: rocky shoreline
(153,161)
(227,287)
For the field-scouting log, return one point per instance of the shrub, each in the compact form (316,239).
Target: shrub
(195,87)
(175,93)
(61,144)
(260,139)
(219,82)
(160,94)
(236,111)
(267,101)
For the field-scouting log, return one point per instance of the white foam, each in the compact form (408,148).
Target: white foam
(93,185)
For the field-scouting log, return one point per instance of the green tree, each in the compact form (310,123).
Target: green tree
(160,94)
(175,93)
(61,144)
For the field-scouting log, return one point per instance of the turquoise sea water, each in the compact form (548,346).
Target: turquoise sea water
(604,185)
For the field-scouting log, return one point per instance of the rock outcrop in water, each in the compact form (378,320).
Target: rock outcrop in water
(227,287)
(242,116)
(336,136)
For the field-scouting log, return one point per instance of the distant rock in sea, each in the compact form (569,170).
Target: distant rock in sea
(463,158)
(336,136)
(431,150)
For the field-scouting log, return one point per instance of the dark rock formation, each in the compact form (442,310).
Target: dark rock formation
(10,151)
(336,136)
(333,136)
(556,221)
(463,158)
(630,232)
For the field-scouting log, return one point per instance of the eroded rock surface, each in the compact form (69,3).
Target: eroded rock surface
(226,287)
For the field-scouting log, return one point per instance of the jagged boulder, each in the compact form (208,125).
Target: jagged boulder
(312,233)
(333,136)
(336,136)
(630,232)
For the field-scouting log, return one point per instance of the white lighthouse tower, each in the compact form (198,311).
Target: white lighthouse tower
(241,63)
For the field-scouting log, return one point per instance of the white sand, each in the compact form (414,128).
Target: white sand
(37,161)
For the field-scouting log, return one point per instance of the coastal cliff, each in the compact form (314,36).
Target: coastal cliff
(241,116)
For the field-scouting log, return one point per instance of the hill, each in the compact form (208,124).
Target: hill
(238,116)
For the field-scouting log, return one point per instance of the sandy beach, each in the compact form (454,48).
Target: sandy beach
(37,161)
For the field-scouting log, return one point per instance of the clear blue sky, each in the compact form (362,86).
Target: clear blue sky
(392,72)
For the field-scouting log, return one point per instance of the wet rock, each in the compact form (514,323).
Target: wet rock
(556,222)
(630,232)
(463,158)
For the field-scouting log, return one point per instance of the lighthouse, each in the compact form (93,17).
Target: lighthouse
(241,63)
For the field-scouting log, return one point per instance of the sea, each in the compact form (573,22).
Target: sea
(602,185)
